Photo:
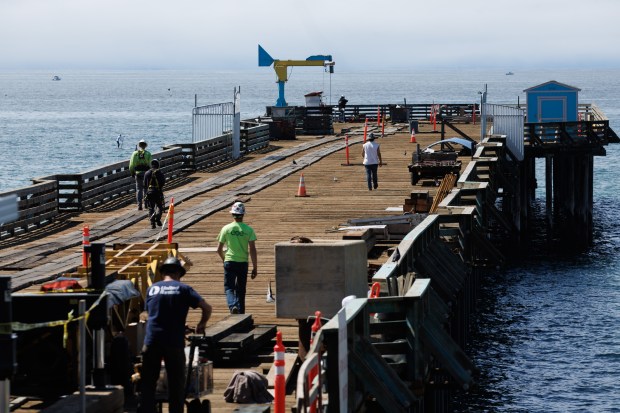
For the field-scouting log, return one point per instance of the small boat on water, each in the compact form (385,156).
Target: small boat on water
(509,73)
(56,78)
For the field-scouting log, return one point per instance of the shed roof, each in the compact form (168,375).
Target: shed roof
(545,86)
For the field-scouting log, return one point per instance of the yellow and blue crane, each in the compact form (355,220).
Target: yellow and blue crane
(281,68)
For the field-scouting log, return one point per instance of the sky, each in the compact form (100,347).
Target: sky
(360,35)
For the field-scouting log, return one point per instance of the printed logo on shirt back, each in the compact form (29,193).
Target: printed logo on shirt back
(164,290)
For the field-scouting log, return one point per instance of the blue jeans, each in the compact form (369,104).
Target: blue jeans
(235,281)
(140,188)
(371,176)
(175,371)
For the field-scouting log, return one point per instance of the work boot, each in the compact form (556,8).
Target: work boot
(159,224)
(140,207)
(153,224)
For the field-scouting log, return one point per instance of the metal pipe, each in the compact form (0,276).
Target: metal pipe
(99,358)
(100,354)
(82,310)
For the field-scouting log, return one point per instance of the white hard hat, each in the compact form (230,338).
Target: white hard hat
(237,208)
(142,141)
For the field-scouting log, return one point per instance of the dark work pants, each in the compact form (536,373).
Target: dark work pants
(371,176)
(175,370)
(235,281)
(155,204)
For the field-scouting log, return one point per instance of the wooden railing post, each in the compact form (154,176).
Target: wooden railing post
(417,304)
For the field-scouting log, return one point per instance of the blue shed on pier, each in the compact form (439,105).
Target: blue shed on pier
(552,102)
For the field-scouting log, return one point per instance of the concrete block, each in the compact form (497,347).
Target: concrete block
(318,275)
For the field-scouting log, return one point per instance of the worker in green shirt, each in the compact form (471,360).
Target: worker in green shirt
(239,239)
(139,163)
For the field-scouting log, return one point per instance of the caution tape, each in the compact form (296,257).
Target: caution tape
(7,328)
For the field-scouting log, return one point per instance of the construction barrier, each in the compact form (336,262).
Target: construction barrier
(279,401)
(365,129)
(375,290)
(346,146)
(170,220)
(301,191)
(473,114)
(383,127)
(434,111)
(314,371)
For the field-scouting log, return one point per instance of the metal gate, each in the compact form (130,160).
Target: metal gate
(212,121)
(509,121)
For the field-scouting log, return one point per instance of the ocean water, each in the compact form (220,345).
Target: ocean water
(546,337)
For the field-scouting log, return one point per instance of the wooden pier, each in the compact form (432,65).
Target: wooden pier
(267,181)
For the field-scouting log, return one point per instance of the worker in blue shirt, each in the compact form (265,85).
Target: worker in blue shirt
(167,303)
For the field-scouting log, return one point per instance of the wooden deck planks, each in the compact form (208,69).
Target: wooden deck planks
(337,193)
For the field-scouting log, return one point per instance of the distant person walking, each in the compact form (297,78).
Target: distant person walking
(342,103)
(138,164)
(119,141)
(154,181)
(372,160)
(167,304)
(239,239)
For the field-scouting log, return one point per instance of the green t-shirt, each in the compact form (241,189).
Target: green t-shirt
(236,236)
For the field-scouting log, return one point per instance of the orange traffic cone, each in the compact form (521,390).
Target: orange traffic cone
(412,136)
(301,192)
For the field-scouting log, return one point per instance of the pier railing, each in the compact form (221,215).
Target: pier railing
(404,112)
(388,357)
(570,134)
(254,136)
(464,112)
(37,205)
(52,195)
(429,286)
(205,154)
(83,191)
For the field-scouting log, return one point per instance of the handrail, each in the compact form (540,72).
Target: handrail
(40,203)
(569,133)
(415,331)
(443,284)
(423,308)
(36,204)
(409,111)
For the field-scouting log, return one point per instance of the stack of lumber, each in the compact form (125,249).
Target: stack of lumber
(418,201)
(233,338)
(447,183)
(365,234)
